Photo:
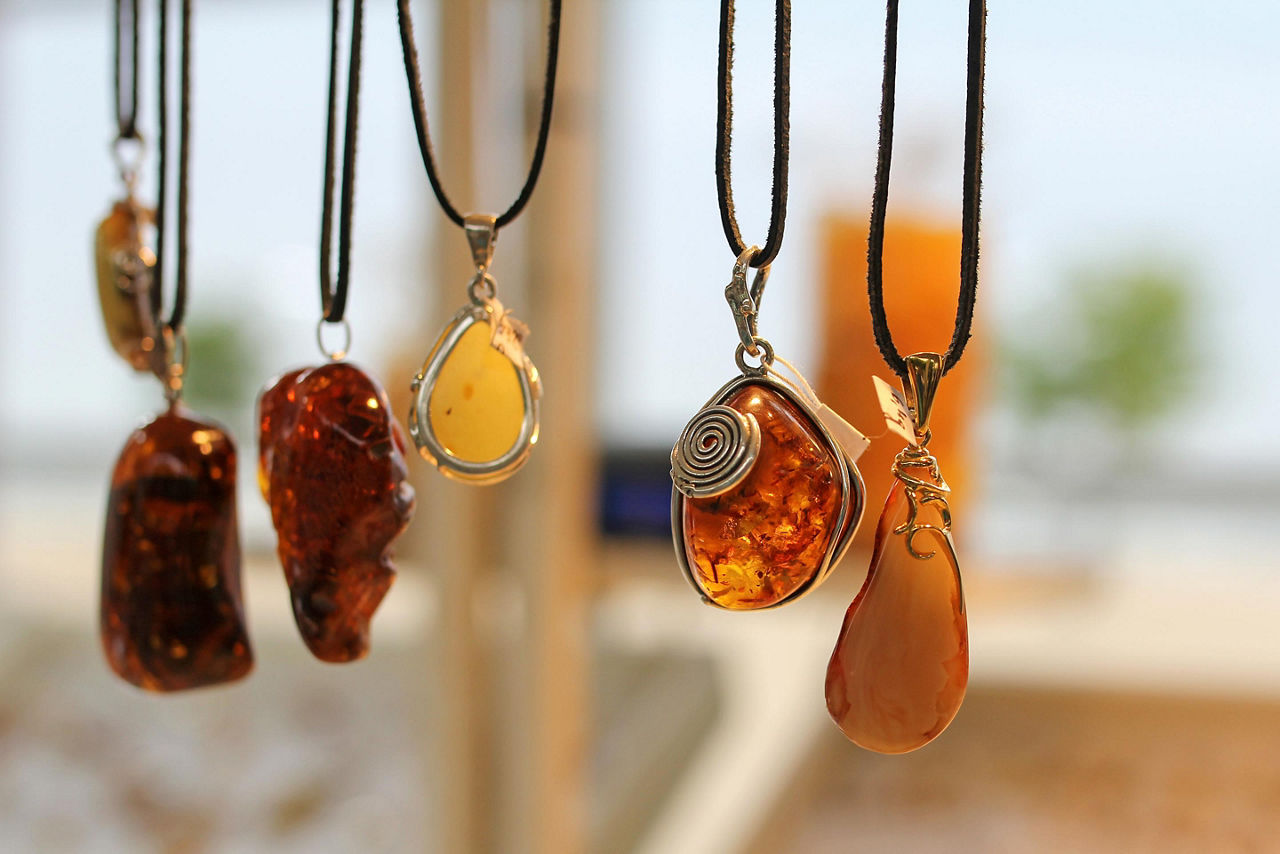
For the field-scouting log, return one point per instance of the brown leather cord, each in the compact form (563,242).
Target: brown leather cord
(781,132)
(333,297)
(414,76)
(126,93)
(178,311)
(972,197)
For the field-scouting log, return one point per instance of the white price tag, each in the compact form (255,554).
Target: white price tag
(845,434)
(897,415)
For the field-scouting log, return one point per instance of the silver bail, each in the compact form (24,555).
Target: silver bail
(745,302)
(482,234)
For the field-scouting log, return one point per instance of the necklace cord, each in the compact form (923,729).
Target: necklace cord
(126,94)
(178,311)
(972,192)
(413,74)
(781,132)
(333,296)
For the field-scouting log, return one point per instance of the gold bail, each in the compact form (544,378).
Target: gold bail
(924,370)
(482,234)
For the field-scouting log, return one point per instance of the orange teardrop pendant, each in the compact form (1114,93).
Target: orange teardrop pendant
(900,667)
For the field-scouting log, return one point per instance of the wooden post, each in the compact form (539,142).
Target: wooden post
(554,516)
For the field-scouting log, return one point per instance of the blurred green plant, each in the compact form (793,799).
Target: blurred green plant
(224,372)
(1119,341)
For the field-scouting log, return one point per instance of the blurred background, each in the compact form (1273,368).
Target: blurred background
(541,678)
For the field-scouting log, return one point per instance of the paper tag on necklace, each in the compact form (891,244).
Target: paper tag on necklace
(846,435)
(897,415)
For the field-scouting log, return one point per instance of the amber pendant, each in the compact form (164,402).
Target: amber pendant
(171,612)
(123,264)
(900,667)
(766,501)
(332,467)
(475,401)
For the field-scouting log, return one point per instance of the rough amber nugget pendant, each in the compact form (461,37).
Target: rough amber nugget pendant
(172,616)
(765,500)
(475,409)
(123,264)
(898,674)
(331,465)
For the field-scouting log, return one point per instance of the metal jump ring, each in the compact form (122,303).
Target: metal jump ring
(340,353)
(766,358)
(175,356)
(490,288)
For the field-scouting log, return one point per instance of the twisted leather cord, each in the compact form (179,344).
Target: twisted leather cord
(179,309)
(333,297)
(781,132)
(126,97)
(972,199)
(414,76)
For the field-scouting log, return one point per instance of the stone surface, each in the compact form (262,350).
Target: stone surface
(119,258)
(331,465)
(758,543)
(476,406)
(171,610)
(901,664)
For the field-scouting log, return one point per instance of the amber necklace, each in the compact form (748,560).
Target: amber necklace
(171,611)
(475,407)
(898,674)
(122,258)
(767,497)
(330,454)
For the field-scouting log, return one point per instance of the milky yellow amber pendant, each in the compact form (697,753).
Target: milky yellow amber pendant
(475,406)
(123,265)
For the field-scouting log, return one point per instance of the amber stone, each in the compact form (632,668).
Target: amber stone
(171,611)
(121,262)
(477,405)
(901,664)
(766,538)
(331,465)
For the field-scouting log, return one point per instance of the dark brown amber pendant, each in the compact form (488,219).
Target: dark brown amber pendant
(172,616)
(123,264)
(766,502)
(331,465)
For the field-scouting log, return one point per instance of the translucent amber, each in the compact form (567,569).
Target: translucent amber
(171,612)
(476,406)
(900,667)
(120,260)
(331,465)
(758,543)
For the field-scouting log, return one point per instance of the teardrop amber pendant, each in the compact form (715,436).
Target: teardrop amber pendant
(765,501)
(171,612)
(123,265)
(901,664)
(332,467)
(475,411)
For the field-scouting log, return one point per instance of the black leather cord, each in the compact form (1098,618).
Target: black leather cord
(972,199)
(126,93)
(781,132)
(333,297)
(179,308)
(414,77)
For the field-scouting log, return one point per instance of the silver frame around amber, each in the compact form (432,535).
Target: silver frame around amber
(424,438)
(850,478)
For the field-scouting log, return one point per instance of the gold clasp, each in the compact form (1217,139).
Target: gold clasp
(924,370)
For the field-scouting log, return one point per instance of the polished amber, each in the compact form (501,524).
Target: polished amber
(119,258)
(476,406)
(760,542)
(900,667)
(171,611)
(331,465)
